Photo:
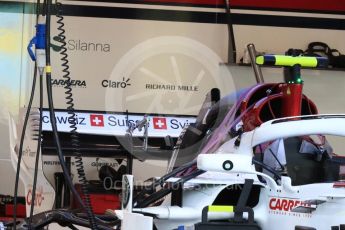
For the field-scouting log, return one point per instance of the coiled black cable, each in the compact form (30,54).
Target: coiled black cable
(52,110)
(75,142)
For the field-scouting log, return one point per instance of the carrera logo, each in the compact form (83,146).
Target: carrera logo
(72,83)
(159,123)
(278,204)
(116,84)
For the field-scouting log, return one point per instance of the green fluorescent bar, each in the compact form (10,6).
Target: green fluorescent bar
(291,61)
(282,60)
(216,208)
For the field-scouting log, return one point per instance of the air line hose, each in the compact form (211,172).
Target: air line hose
(21,144)
(75,142)
(39,141)
(52,111)
(22,137)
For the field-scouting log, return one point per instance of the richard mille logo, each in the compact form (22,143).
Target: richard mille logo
(192,88)
(116,84)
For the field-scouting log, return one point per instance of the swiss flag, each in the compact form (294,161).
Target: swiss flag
(159,123)
(97,120)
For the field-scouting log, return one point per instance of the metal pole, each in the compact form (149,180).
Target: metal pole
(256,68)
(231,41)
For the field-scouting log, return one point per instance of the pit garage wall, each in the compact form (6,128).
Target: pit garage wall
(120,52)
(161,56)
(13,70)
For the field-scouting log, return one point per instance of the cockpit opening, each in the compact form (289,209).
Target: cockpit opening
(306,159)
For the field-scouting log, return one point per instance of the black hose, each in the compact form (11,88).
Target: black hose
(72,120)
(62,217)
(21,144)
(45,9)
(268,168)
(34,184)
(162,180)
(164,192)
(276,158)
(20,152)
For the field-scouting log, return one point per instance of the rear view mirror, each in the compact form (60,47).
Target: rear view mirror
(226,163)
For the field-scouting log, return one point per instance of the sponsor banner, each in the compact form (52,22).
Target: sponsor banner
(155,66)
(117,124)
(156,71)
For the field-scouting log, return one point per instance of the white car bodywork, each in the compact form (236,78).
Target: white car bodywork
(282,206)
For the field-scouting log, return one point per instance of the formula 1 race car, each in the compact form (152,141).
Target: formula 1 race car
(261,161)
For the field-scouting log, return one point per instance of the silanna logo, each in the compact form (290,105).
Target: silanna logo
(72,83)
(116,84)
(87,46)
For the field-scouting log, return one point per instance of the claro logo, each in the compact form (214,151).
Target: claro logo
(116,84)
(278,204)
(73,83)
(39,198)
